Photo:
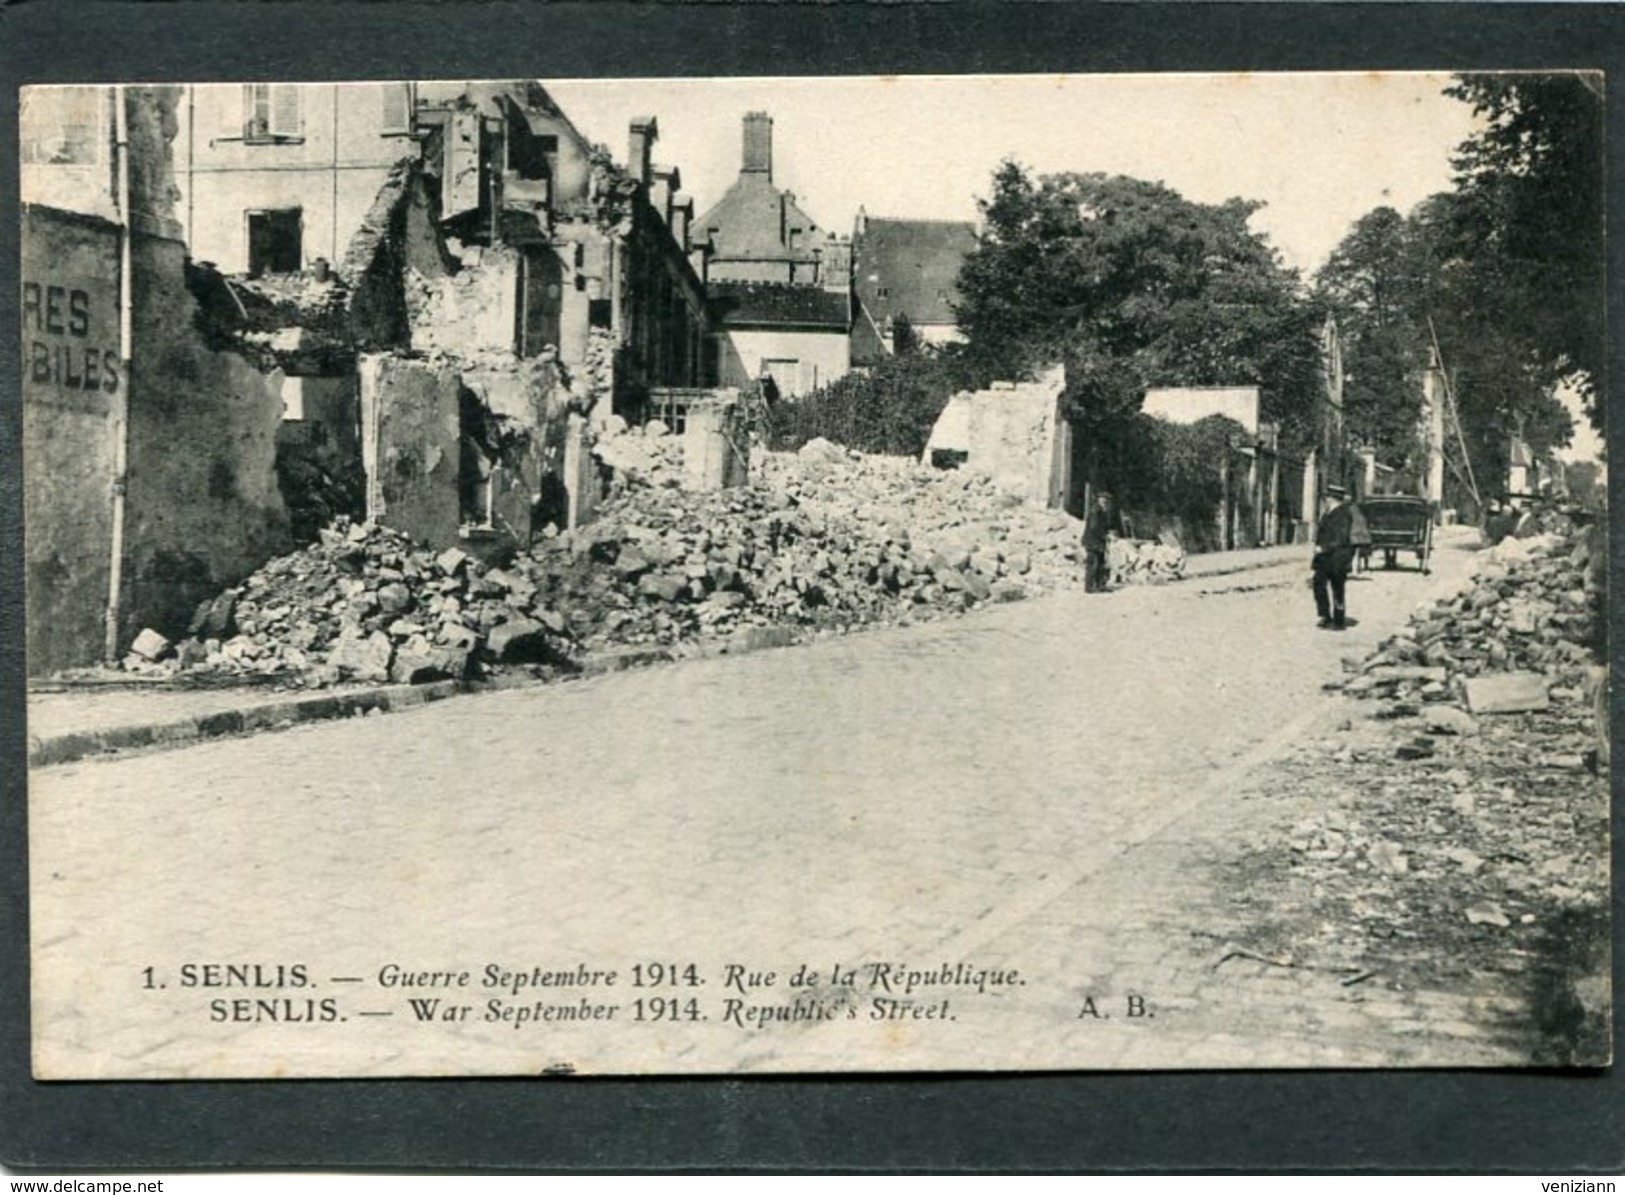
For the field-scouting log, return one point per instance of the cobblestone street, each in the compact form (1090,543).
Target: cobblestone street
(1051,792)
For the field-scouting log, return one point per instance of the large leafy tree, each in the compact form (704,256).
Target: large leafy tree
(1507,267)
(1525,227)
(1377,286)
(1132,286)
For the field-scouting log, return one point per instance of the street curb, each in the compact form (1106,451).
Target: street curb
(68,748)
(249,719)
(1249,566)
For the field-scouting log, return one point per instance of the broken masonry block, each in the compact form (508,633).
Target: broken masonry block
(520,641)
(1447,719)
(150,645)
(1506,693)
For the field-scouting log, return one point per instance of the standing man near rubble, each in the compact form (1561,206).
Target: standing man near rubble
(1099,525)
(1342,533)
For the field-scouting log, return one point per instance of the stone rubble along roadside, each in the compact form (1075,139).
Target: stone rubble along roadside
(1446,844)
(1522,636)
(822,539)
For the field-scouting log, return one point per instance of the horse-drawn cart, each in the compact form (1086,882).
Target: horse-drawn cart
(1399,524)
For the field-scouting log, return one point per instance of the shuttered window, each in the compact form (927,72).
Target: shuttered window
(271,112)
(399,103)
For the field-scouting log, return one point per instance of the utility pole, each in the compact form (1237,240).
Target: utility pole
(1442,382)
(1433,400)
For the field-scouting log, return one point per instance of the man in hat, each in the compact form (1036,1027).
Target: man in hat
(1099,525)
(1340,536)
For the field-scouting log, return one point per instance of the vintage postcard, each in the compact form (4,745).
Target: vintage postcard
(790,575)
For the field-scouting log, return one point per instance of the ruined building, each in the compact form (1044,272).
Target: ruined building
(507,287)
(283,178)
(415,305)
(149,452)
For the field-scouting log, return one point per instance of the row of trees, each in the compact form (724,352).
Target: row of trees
(1506,269)
(1131,286)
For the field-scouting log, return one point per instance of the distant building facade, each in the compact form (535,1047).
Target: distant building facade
(758,232)
(780,287)
(797,336)
(273,176)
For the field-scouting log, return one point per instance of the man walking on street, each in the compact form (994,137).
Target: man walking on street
(1099,525)
(1341,534)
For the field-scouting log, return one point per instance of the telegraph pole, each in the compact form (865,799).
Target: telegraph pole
(1433,399)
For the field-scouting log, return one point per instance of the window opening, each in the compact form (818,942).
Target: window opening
(275,242)
(400,106)
(271,112)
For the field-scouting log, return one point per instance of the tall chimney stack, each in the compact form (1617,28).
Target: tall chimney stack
(758,157)
(640,150)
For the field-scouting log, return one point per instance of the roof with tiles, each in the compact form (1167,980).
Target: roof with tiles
(771,304)
(909,267)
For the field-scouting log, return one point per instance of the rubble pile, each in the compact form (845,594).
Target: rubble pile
(1144,561)
(363,604)
(1521,636)
(823,539)
(946,522)
(1455,838)
(1479,870)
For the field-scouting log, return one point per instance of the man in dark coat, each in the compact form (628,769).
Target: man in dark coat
(1341,534)
(1099,525)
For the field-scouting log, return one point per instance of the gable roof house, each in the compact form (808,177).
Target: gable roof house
(905,270)
(779,286)
(758,232)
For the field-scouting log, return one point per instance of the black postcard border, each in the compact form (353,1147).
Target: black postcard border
(1314,1122)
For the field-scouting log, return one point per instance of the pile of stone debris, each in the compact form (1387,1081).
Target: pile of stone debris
(1454,841)
(1523,636)
(822,539)
(365,604)
(1144,561)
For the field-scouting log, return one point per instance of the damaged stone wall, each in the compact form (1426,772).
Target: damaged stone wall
(385,250)
(471,311)
(1013,434)
(70,320)
(151,124)
(528,426)
(204,508)
(716,443)
(411,441)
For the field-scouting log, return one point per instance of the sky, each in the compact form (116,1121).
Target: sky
(1320,150)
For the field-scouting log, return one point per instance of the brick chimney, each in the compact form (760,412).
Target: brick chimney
(682,215)
(640,150)
(758,157)
(664,182)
